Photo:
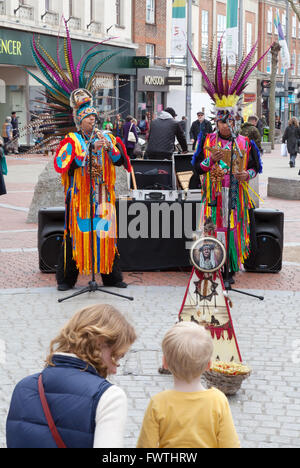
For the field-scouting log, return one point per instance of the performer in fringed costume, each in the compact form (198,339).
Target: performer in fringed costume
(69,114)
(212,157)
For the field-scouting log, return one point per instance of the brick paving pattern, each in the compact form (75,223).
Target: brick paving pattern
(267,408)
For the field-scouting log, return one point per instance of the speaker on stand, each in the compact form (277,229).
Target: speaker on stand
(267,257)
(51,223)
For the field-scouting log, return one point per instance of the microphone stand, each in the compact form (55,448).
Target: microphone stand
(93,285)
(227,276)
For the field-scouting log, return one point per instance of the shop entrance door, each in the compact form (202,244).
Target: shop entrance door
(16,101)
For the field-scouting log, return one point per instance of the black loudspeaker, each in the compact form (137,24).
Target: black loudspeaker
(267,258)
(51,223)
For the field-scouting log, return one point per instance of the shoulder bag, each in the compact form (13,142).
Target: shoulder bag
(131,136)
(58,440)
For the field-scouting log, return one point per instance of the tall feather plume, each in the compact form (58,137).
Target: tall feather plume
(242,83)
(47,67)
(90,78)
(219,71)
(242,68)
(78,68)
(210,87)
(70,56)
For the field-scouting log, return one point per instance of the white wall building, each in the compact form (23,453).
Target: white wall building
(89,21)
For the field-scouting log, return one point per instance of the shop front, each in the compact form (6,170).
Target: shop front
(151,92)
(19,91)
(280,105)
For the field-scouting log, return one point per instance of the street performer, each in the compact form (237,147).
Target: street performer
(70,126)
(212,160)
(72,162)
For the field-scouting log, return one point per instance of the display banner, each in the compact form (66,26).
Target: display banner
(179,29)
(285,54)
(232,31)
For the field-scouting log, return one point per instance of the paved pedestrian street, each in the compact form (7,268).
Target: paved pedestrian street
(266,410)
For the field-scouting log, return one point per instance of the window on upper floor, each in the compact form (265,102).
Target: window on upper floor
(2,7)
(204,35)
(293,64)
(270,21)
(269,62)
(150,11)
(283,23)
(249,37)
(120,12)
(150,52)
(294,27)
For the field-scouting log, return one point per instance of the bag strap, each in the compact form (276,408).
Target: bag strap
(58,440)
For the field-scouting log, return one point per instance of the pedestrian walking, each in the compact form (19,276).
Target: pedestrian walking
(118,126)
(130,136)
(7,134)
(188,416)
(16,133)
(3,168)
(291,136)
(162,134)
(199,125)
(87,410)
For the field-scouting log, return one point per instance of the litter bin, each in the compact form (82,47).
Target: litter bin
(266,133)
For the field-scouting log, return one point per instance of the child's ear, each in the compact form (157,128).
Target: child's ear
(208,366)
(165,364)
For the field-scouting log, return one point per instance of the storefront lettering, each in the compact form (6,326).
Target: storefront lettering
(10,47)
(154,80)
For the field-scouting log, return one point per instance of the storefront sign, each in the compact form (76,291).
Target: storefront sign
(173,80)
(140,62)
(154,80)
(15,49)
(249,97)
(9,47)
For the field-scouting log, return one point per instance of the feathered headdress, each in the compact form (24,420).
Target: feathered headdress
(63,78)
(226,91)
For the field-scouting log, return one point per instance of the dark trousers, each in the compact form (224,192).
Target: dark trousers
(69,273)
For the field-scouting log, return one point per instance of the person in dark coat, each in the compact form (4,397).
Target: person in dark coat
(130,145)
(162,134)
(200,125)
(292,136)
(250,130)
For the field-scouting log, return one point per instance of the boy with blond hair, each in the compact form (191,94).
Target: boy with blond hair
(189,416)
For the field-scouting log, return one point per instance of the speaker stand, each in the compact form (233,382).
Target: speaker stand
(227,284)
(93,285)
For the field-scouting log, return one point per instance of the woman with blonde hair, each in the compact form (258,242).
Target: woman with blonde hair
(292,137)
(71,404)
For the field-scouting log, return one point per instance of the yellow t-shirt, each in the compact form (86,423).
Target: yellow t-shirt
(188,420)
